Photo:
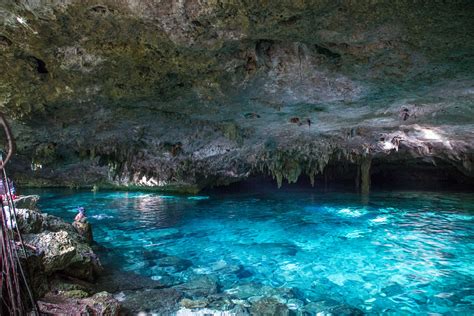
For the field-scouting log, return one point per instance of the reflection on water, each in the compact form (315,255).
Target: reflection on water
(401,251)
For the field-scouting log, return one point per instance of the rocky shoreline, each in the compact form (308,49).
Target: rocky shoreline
(59,259)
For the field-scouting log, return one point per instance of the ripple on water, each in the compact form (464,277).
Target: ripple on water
(404,252)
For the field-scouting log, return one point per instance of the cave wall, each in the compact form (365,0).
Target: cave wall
(182,95)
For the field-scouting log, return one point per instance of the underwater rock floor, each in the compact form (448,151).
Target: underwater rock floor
(269,252)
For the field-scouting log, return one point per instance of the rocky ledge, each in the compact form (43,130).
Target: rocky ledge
(59,262)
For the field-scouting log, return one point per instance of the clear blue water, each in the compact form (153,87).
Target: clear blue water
(402,251)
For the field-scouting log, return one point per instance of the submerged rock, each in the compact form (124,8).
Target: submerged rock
(199,286)
(240,310)
(172,264)
(199,303)
(114,281)
(346,310)
(220,301)
(294,304)
(161,301)
(245,291)
(269,307)
(330,307)
(243,273)
(254,291)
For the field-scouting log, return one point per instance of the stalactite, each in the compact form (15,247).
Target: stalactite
(357,179)
(365,175)
(311,179)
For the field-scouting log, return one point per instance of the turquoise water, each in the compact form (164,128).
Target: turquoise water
(401,251)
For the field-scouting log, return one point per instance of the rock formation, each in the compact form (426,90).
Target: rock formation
(59,261)
(84,228)
(182,95)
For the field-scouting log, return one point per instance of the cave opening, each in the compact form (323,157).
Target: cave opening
(40,65)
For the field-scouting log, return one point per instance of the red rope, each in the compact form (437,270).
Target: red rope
(12,302)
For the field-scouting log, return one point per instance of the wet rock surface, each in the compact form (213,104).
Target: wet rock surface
(202,295)
(61,252)
(186,95)
(84,229)
(269,306)
(172,264)
(60,247)
(199,286)
(60,264)
(99,304)
(163,301)
(114,281)
(26,202)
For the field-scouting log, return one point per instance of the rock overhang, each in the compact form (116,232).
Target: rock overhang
(205,93)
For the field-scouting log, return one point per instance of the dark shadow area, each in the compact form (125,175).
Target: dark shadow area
(341,177)
(266,184)
(419,175)
(39,64)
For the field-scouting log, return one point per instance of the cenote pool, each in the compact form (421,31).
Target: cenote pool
(409,252)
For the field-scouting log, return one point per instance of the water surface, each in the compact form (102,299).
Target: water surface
(401,251)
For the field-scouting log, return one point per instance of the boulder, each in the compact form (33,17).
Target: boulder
(62,285)
(34,268)
(84,228)
(29,221)
(75,294)
(58,245)
(28,201)
(64,251)
(103,304)
(56,224)
(32,221)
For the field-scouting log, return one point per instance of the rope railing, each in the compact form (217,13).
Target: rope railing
(13,279)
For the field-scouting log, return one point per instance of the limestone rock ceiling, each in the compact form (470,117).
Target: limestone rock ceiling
(205,92)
